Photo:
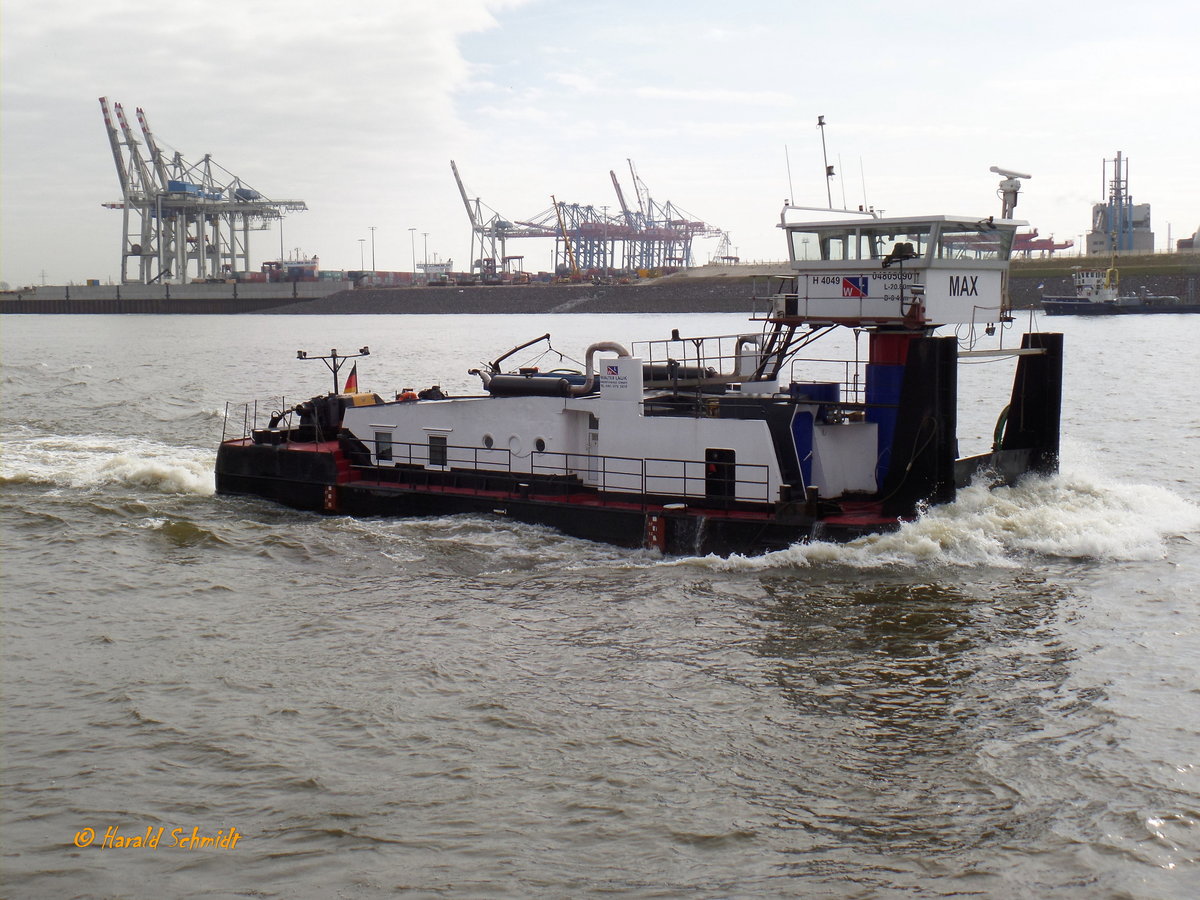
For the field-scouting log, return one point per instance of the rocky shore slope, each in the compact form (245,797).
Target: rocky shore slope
(671,294)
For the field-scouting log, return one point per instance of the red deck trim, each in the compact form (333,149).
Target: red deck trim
(857,514)
(861,514)
(299,446)
(576,499)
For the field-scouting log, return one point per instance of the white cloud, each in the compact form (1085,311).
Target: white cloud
(358,107)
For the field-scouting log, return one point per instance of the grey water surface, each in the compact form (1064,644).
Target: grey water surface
(1000,700)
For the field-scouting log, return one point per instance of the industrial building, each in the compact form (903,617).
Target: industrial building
(1119,225)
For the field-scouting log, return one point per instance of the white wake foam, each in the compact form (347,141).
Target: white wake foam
(1075,515)
(93,461)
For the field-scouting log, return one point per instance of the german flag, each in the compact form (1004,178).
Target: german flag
(351,381)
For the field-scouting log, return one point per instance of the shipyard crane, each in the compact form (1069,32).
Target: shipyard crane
(724,252)
(180,220)
(562,226)
(137,189)
(661,234)
(1029,243)
(491,235)
(651,237)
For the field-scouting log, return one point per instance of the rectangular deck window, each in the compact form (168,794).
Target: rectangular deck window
(383,446)
(437,450)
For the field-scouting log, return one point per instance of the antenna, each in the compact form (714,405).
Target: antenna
(788,161)
(334,361)
(828,167)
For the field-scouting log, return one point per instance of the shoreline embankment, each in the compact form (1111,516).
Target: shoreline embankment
(694,291)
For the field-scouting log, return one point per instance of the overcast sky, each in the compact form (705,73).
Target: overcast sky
(357,108)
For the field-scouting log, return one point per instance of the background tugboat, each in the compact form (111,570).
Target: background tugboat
(1098,293)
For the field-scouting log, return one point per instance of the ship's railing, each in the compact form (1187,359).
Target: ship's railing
(554,472)
(689,358)
(849,374)
(249,415)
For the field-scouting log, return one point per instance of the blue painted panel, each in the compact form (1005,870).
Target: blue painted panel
(884,383)
(818,392)
(802,437)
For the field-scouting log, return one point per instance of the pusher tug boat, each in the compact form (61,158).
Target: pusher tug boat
(1098,293)
(698,445)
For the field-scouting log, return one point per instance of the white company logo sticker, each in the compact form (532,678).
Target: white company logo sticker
(613,379)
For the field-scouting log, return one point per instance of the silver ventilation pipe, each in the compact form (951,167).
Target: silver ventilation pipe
(579,390)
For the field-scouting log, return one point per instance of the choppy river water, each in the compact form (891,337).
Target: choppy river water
(1000,700)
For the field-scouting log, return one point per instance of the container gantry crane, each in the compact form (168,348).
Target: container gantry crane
(491,235)
(653,236)
(662,234)
(181,221)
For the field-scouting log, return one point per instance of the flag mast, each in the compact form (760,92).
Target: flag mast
(334,363)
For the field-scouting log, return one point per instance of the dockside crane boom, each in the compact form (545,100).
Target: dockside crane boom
(639,189)
(630,219)
(472,212)
(114,139)
(145,181)
(156,158)
(480,232)
(144,244)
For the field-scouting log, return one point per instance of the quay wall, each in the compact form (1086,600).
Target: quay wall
(672,294)
(193,299)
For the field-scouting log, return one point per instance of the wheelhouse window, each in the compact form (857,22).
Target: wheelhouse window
(858,242)
(880,243)
(821,244)
(974,242)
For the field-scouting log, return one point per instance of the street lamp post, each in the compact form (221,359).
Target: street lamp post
(361,263)
(425,234)
(372,227)
(412,246)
